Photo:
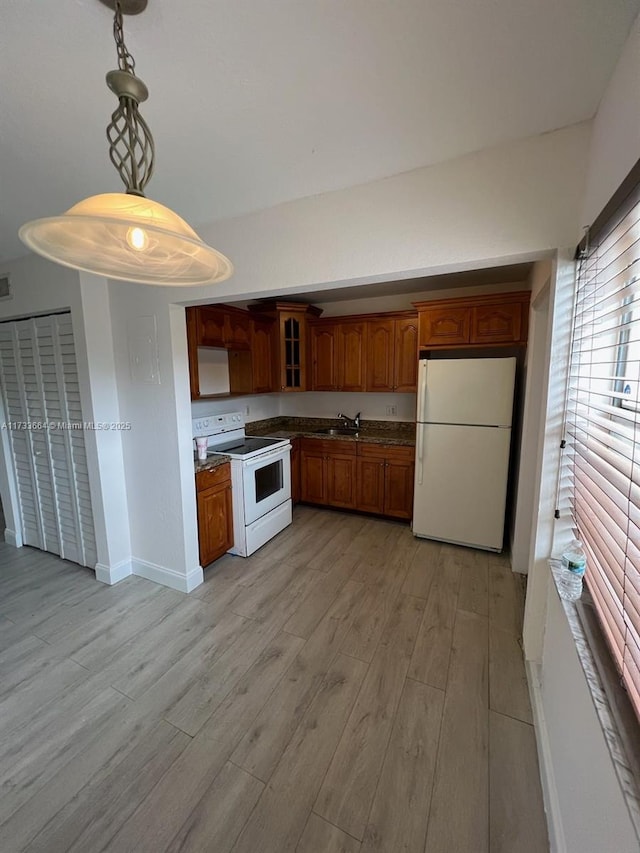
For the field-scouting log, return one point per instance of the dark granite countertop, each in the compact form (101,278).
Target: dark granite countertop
(210,462)
(402,433)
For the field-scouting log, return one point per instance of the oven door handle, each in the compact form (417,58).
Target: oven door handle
(270,455)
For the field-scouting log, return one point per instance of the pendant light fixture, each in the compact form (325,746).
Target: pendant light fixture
(125,235)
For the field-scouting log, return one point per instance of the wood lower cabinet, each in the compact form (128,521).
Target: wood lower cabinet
(476,321)
(375,478)
(328,472)
(385,479)
(295,470)
(341,480)
(215,513)
(371,485)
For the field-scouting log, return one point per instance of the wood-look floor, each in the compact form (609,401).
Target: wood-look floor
(348,688)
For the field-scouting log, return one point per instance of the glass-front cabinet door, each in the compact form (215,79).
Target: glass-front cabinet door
(292,345)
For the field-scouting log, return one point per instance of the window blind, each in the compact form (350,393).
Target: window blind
(601,462)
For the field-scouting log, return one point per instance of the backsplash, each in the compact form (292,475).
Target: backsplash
(313,404)
(260,406)
(327,404)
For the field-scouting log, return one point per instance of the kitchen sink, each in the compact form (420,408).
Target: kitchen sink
(336,431)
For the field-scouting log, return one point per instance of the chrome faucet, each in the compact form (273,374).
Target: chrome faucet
(353,423)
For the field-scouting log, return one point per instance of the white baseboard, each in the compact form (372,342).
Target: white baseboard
(557,842)
(168,577)
(12,537)
(113,574)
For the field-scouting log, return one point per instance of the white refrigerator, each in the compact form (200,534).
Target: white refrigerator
(463,439)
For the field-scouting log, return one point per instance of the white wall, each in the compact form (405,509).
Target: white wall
(594,815)
(321,404)
(313,404)
(255,407)
(158,449)
(533,421)
(615,143)
(585,805)
(514,202)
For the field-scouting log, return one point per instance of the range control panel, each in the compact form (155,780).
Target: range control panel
(216,424)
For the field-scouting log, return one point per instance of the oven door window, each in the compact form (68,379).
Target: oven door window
(268,480)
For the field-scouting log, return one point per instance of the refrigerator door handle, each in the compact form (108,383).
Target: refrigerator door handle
(420,451)
(422,388)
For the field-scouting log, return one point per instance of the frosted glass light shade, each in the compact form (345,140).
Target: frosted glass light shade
(127,237)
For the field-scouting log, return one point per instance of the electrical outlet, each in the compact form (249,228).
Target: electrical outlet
(392,410)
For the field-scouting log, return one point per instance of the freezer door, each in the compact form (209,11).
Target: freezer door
(466,391)
(461,484)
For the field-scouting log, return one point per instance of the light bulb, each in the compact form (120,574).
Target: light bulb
(137,238)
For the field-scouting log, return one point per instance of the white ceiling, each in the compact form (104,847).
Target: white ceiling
(254,102)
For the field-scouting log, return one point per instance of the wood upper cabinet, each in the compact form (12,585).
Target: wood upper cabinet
(238,330)
(444,326)
(289,341)
(474,321)
(496,323)
(215,513)
(324,360)
(405,362)
(392,354)
(380,355)
(351,353)
(221,326)
(192,351)
(338,356)
(261,355)
(211,326)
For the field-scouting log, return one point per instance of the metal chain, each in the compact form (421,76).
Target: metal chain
(126,62)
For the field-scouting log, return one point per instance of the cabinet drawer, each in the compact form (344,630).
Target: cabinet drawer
(207,479)
(319,445)
(387,451)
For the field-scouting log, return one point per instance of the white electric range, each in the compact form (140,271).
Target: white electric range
(260,478)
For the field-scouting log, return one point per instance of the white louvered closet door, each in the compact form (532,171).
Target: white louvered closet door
(41,396)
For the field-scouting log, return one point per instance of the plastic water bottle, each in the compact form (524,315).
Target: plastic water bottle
(574,563)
